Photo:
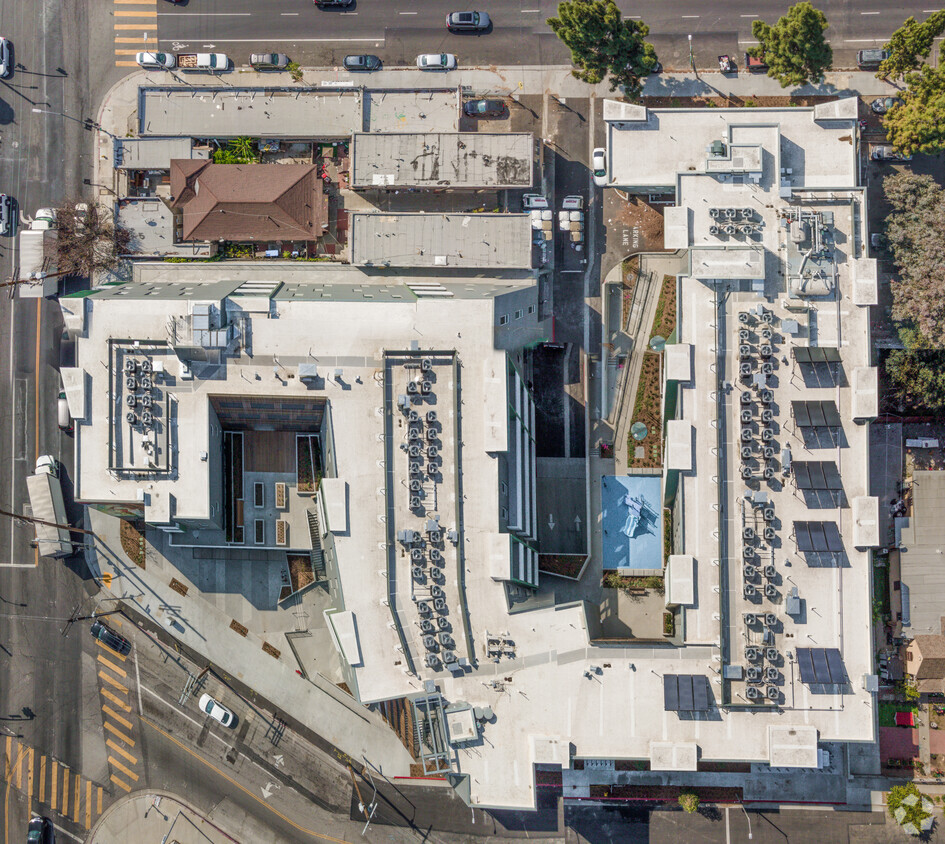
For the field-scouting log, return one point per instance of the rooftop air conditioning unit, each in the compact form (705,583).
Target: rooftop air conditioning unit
(714,213)
(412,387)
(426,387)
(426,365)
(414,502)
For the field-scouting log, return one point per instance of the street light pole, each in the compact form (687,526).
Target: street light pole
(748,818)
(692,61)
(88,123)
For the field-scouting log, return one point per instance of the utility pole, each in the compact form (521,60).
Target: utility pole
(34,521)
(369,810)
(692,61)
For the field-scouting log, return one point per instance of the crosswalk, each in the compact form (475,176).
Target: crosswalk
(135,29)
(115,692)
(49,784)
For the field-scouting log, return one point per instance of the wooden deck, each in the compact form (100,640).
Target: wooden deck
(269,451)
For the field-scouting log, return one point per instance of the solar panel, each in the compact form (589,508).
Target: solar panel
(821,666)
(817,536)
(700,693)
(838,673)
(802,537)
(685,693)
(821,671)
(806,665)
(816,414)
(670,693)
(832,534)
(816,354)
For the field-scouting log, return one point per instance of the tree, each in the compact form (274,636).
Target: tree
(914,232)
(794,48)
(917,372)
(910,45)
(89,240)
(918,124)
(689,800)
(602,42)
(240,150)
(908,807)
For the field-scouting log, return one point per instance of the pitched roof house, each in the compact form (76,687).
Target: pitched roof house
(925,663)
(261,202)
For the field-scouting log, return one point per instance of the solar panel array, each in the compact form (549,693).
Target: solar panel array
(816,414)
(686,693)
(814,474)
(817,536)
(821,666)
(815,354)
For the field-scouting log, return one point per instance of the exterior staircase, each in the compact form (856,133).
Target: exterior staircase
(318,556)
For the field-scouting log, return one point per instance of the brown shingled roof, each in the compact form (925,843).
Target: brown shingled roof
(248,201)
(932,650)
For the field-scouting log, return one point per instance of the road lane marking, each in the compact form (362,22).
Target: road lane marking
(119,671)
(98,801)
(377,39)
(123,52)
(42,780)
(114,745)
(65,793)
(119,718)
(126,64)
(142,25)
(55,784)
(76,803)
(320,835)
(289,14)
(407,13)
(689,16)
(123,768)
(112,681)
(136,14)
(116,700)
(116,732)
(88,804)
(120,782)
(869,13)
(144,39)
(530,11)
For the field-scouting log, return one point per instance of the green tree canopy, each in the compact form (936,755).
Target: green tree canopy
(910,45)
(794,49)
(918,124)
(602,43)
(917,372)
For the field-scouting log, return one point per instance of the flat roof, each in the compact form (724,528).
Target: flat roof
(442,159)
(479,241)
(152,224)
(291,112)
(632,522)
(154,153)
(922,573)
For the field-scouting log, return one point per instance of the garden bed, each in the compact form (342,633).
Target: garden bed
(733,101)
(646,409)
(308,463)
(632,583)
(664,793)
(132,542)
(301,575)
(564,565)
(664,321)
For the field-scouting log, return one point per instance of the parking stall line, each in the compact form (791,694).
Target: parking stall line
(116,732)
(116,700)
(119,718)
(114,745)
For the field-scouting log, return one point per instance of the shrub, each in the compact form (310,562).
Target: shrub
(294,71)
(689,800)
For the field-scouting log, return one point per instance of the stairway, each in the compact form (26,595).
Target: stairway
(318,556)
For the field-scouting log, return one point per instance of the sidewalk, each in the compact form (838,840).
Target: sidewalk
(155,817)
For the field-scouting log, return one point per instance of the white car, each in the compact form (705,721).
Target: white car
(436,61)
(156,61)
(215,710)
(599,166)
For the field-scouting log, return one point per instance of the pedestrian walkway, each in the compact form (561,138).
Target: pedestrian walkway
(50,786)
(135,29)
(153,817)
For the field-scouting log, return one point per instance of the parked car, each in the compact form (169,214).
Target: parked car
(216,711)
(40,831)
(868,59)
(110,638)
(333,4)
(878,241)
(362,63)
(6,57)
(484,108)
(599,166)
(436,61)
(467,21)
(156,61)
(269,61)
(62,413)
(7,215)
(883,104)
(887,153)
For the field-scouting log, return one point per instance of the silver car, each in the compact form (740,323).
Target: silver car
(6,58)
(269,61)
(436,61)
(156,61)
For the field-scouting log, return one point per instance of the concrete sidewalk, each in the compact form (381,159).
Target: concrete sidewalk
(154,817)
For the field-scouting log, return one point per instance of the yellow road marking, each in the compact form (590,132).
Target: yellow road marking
(6,797)
(320,835)
(98,801)
(29,777)
(8,757)
(143,40)
(139,27)
(114,745)
(127,52)
(123,768)
(116,732)
(107,578)
(117,620)
(116,668)
(109,679)
(54,779)
(19,767)
(88,803)
(116,700)
(42,779)
(135,14)
(78,798)
(65,792)
(120,782)
(110,652)
(126,64)
(119,718)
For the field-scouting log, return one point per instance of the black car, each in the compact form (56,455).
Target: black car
(467,21)
(110,638)
(362,63)
(40,831)
(333,4)
(484,108)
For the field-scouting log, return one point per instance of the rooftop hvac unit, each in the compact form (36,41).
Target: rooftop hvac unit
(146,400)
(282,531)
(449,657)
(423,607)
(767,368)
(767,452)
(767,316)
(743,335)
(766,415)
(746,228)
(431,661)
(431,434)
(146,418)
(747,213)
(750,619)
(445,639)
(432,469)
(131,383)
(437,591)
(426,626)
(403,402)
(414,502)
(130,365)
(767,396)
(772,693)
(752,654)
(731,213)
(417,573)
(746,473)
(749,572)
(743,317)
(770,619)
(714,213)
(432,452)
(744,369)
(753,693)
(435,554)
(429,642)
(749,590)
(770,572)
(443,623)
(413,434)
(765,350)
(745,416)
(766,332)
(426,365)
(452,536)
(413,467)
(426,387)
(146,365)
(431,417)
(771,591)
(746,435)
(412,387)
(768,473)
(772,655)
(768,514)
(414,451)
(145,382)
(769,533)
(416,485)
(772,674)
(130,417)
(728,229)
(746,397)
(439,604)
(744,351)
(746,452)
(798,231)
(131,401)
(416,554)
(413,417)
(767,435)
(753,674)
(748,552)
